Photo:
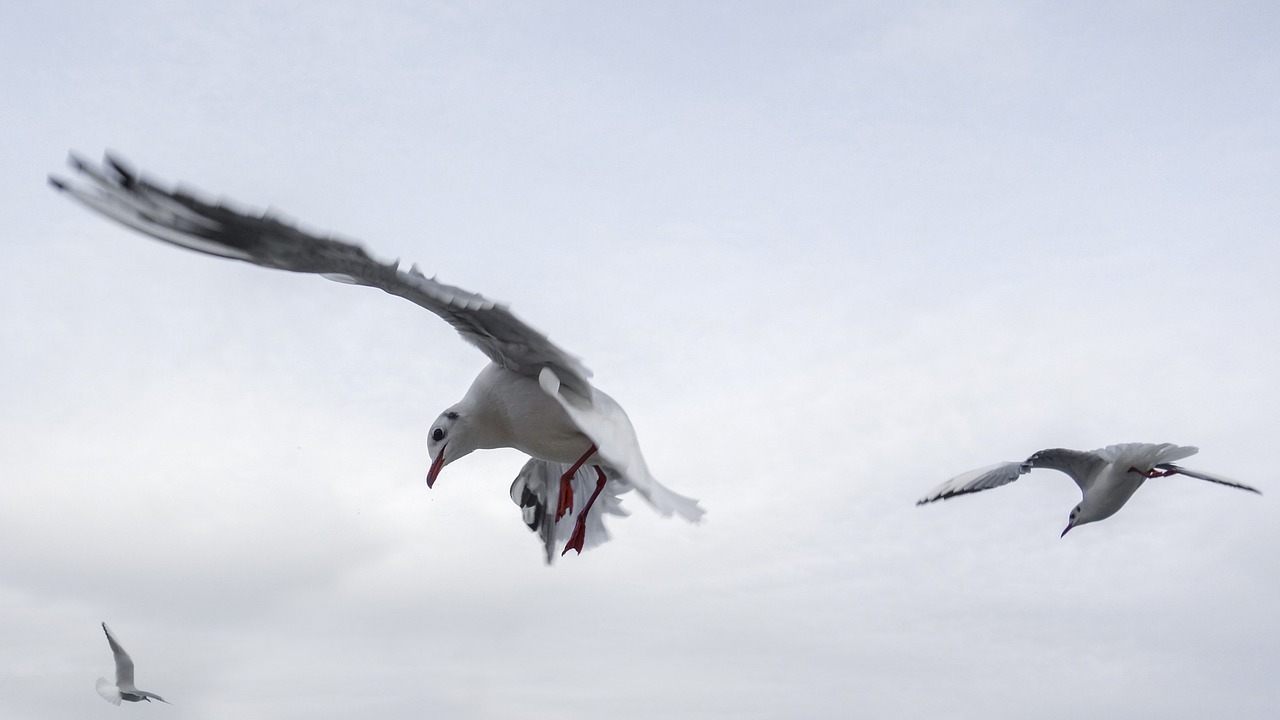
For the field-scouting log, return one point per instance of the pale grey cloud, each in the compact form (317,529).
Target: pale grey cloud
(826,256)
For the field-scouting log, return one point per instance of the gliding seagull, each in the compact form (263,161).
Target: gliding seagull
(123,689)
(532,396)
(1107,477)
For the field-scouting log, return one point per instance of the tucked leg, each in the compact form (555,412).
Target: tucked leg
(1153,472)
(565,503)
(579,536)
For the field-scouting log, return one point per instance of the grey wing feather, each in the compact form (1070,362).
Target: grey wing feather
(529,492)
(1081,466)
(976,480)
(1201,475)
(124,664)
(181,218)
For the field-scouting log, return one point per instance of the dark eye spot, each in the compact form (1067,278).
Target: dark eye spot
(437,434)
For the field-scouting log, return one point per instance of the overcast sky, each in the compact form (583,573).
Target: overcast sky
(827,255)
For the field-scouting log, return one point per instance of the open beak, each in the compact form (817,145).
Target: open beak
(436,465)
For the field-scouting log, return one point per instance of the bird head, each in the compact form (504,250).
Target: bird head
(1074,519)
(446,441)
(1086,512)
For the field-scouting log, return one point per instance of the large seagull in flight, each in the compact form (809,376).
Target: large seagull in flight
(532,396)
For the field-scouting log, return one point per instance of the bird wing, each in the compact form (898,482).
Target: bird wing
(984,478)
(1201,475)
(124,664)
(1080,466)
(539,480)
(109,692)
(179,217)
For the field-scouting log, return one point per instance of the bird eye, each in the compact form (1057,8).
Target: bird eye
(437,434)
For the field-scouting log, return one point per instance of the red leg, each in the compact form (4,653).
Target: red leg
(565,503)
(580,525)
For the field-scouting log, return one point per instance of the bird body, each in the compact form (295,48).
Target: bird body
(554,424)
(507,409)
(1108,492)
(1107,477)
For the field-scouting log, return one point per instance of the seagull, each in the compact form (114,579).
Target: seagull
(1107,477)
(123,689)
(532,396)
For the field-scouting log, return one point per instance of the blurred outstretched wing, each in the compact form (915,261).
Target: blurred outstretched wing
(179,217)
(976,481)
(124,664)
(1081,467)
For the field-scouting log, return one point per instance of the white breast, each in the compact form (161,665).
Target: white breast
(517,413)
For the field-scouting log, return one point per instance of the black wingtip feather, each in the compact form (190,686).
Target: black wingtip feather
(949,495)
(77,162)
(126,175)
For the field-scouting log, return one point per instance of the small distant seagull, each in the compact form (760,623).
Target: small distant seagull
(123,689)
(532,396)
(1107,477)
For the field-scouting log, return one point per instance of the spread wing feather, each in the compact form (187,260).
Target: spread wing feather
(180,217)
(974,481)
(1080,466)
(124,664)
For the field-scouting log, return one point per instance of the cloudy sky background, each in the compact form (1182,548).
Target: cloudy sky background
(826,255)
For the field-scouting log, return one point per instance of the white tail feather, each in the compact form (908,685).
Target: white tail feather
(667,501)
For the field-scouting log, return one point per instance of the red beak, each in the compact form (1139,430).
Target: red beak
(436,465)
